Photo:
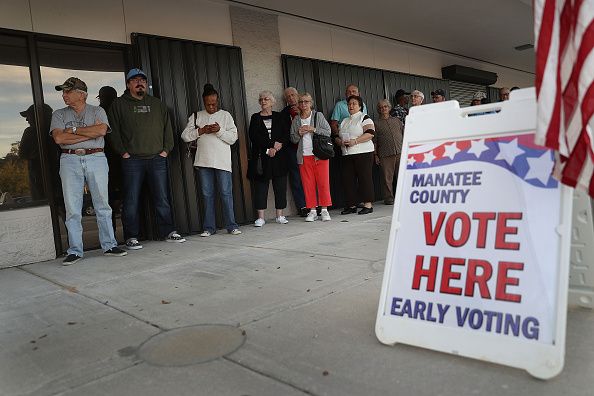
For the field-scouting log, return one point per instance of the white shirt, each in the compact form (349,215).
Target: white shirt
(307,141)
(214,149)
(355,126)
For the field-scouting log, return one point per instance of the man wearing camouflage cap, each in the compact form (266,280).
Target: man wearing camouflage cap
(79,129)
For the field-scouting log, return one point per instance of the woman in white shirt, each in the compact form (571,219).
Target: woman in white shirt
(215,132)
(315,173)
(355,136)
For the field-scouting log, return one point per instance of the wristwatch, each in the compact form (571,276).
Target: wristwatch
(74,130)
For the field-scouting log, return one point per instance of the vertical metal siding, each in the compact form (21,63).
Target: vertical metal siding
(493,94)
(395,81)
(178,70)
(462,92)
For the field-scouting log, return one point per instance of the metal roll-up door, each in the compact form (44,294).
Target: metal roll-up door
(177,70)
(395,81)
(493,94)
(462,92)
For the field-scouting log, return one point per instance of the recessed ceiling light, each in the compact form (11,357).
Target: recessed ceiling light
(524,47)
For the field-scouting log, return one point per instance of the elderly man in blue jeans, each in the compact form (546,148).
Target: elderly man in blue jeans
(79,129)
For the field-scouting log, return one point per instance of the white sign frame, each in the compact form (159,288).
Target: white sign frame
(516,116)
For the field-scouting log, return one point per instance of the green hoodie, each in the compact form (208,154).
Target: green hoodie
(140,126)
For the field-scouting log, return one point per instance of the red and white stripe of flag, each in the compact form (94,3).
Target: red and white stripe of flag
(564,43)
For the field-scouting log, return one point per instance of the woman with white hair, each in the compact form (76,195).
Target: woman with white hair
(315,172)
(268,162)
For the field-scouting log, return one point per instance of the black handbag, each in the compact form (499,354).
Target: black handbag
(323,148)
(192,146)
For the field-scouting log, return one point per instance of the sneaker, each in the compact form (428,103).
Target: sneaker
(365,211)
(115,251)
(312,216)
(259,223)
(71,259)
(205,234)
(326,215)
(346,211)
(235,231)
(303,212)
(282,220)
(175,237)
(133,244)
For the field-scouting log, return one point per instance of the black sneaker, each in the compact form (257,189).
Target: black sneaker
(175,237)
(71,259)
(303,212)
(115,251)
(133,244)
(346,211)
(365,211)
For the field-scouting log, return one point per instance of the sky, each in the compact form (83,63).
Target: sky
(16,95)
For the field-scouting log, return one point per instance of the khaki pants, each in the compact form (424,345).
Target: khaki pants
(389,167)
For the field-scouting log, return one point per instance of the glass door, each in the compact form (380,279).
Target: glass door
(103,70)
(21,179)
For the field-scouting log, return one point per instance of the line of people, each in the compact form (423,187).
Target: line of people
(283,151)
(140,132)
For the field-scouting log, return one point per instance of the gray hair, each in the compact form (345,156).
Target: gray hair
(267,94)
(291,89)
(307,95)
(416,92)
(382,102)
(85,93)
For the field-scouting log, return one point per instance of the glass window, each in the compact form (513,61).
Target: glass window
(94,80)
(21,180)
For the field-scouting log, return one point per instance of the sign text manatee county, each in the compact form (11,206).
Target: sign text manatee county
(459,275)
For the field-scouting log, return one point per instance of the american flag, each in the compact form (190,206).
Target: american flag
(564,42)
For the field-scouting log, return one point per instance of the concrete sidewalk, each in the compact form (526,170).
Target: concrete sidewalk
(305,294)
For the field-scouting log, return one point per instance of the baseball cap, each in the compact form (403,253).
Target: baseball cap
(72,83)
(479,95)
(30,110)
(107,91)
(416,92)
(134,73)
(400,93)
(438,92)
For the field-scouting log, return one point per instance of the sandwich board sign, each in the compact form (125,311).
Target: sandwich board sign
(478,256)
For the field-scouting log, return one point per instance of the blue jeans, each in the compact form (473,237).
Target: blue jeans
(225,186)
(134,170)
(74,170)
(295,178)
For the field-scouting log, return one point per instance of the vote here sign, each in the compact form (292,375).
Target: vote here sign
(473,264)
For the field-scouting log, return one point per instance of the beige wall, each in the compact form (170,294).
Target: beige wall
(26,236)
(114,20)
(210,21)
(315,40)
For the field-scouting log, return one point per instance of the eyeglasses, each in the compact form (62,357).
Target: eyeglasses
(137,80)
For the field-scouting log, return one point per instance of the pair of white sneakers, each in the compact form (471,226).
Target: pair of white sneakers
(279,220)
(313,215)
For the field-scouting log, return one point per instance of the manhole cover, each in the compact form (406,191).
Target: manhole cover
(191,345)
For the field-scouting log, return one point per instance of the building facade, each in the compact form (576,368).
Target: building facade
(181,45)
